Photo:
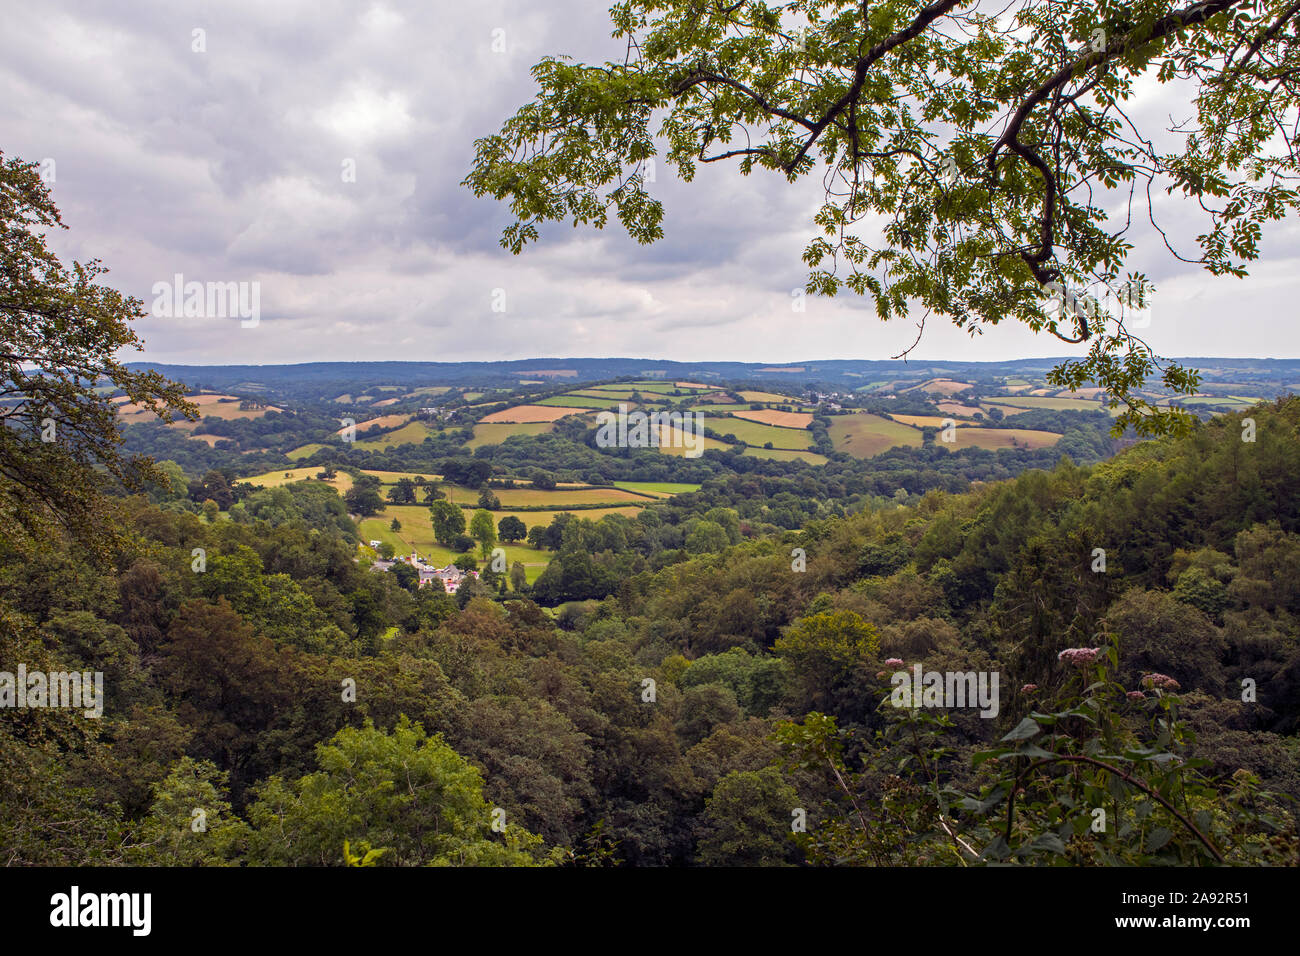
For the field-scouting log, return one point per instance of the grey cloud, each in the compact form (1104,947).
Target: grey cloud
(226,166)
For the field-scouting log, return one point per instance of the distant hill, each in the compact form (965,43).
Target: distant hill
(853,373)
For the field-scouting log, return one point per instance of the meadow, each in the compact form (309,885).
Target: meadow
(758,434)
(995,438)
(786,454)
(412,432)
(494,433)
(341,482)
(660,489)
(864,435)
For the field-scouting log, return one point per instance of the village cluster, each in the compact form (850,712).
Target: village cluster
(450,577)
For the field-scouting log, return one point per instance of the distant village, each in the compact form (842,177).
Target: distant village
(450,577)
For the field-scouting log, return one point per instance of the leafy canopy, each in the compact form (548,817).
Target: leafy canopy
(60,334)
(979,159)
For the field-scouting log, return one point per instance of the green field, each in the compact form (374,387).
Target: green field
(412,433)
(923,421)
(623,394)
(864,435)
(578,401)
(305,451)
(663,489)
(392,477)
(417,532)
(662,388)
(1218,400)
(557,500)
(274,479)
(785,454)
(494,433)
(727,407)
(758,434)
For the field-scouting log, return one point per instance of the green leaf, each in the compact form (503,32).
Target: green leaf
(1049,841)
(1024,730)
(1158,838)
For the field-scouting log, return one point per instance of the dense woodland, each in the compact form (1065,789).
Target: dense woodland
(316,712)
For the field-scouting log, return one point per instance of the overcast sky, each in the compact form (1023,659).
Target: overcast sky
(227,166)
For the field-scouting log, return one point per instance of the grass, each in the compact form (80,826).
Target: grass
(785,454)
(941,386)
(922,421)
(304,451)
(383,421)
(412,433)
(995,438)
(758,434)
(559,499)
(661,388)
(864,435)
(1217,400)
(719,407)
(274,479)
(623,394)
(672,442)
(663,489)
(417,533)
(579,401)
(392,477)
(498,432)
(209,406)
(956,409)
(772,397)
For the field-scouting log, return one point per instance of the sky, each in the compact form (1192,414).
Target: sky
(232,164)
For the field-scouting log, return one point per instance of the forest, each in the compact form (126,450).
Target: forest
(725,707)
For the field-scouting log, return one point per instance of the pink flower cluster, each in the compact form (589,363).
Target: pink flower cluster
(1136,695)
(1029,688)
(1079,655)
(1160,682)
(894,662)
